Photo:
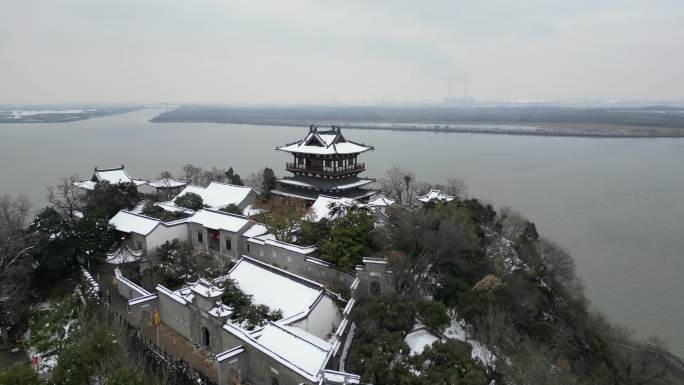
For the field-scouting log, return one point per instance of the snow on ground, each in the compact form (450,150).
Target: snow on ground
(418,339)
(17,114)
(482,354)
(500,246)
(457,331)
(44,363)
(93,287)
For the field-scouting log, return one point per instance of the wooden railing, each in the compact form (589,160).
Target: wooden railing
(326,170)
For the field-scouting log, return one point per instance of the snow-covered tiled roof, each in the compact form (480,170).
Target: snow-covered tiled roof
(128,222)
(86,184)
(256,230)
(325,184)
(123,254)
(297,347)
(324,206)
(138,289)
(228,354)
(275,288)
(170,206)
(218,195)
(167,183)
(325,142)
(333,376)
(221,311)
(269,239)
(219,220)
(381,201)
(175,295)
(113,175)
(436,195)
(206,289)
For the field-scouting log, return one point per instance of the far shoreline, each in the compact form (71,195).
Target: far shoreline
(578,130)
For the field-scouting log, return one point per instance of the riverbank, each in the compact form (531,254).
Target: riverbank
(567,122)
(24,115)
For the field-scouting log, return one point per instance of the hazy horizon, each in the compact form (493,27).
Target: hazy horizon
(306,52)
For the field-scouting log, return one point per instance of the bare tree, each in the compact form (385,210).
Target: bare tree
(255,180)
(419,255)
(559,269)
(513,223)
(15,259)
(65,197)
(213,175)
(394,183)
(456,187)
(191,173)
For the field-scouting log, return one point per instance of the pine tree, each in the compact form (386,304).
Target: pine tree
(268,182)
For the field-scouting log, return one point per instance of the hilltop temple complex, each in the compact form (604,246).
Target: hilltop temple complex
(308,341)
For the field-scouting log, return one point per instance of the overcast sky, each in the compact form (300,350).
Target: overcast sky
(342,51)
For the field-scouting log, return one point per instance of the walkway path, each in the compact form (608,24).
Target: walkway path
(169,341)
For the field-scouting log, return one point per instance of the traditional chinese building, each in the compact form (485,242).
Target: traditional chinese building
(325,162)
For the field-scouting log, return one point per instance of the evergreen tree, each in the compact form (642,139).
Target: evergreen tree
(233,177)
(78,362)
(113,197)
(351,238)
(232,208)
(190,201)
(434,315)
(95,235)
(55,252)
(268,182)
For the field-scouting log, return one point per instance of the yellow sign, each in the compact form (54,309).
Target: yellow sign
(156,320)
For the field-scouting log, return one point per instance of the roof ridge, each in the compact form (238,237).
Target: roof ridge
(300,337)
(225,213)
(141,215)
(283,360)
(304,281)
(226,184)
(110,169)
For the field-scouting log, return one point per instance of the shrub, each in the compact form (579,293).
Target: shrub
(20,374)
(232,208)
(434,314)
(244,311)
(190,201)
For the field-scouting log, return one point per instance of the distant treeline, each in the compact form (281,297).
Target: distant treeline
(656,116)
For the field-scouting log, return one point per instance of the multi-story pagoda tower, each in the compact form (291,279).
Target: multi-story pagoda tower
(325,163)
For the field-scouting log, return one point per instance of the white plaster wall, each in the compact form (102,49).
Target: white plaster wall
(323,319)
(162,234)
(174,315)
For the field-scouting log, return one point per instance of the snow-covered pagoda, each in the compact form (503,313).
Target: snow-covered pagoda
(325,162)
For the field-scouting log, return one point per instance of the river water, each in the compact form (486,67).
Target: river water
(617,205)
